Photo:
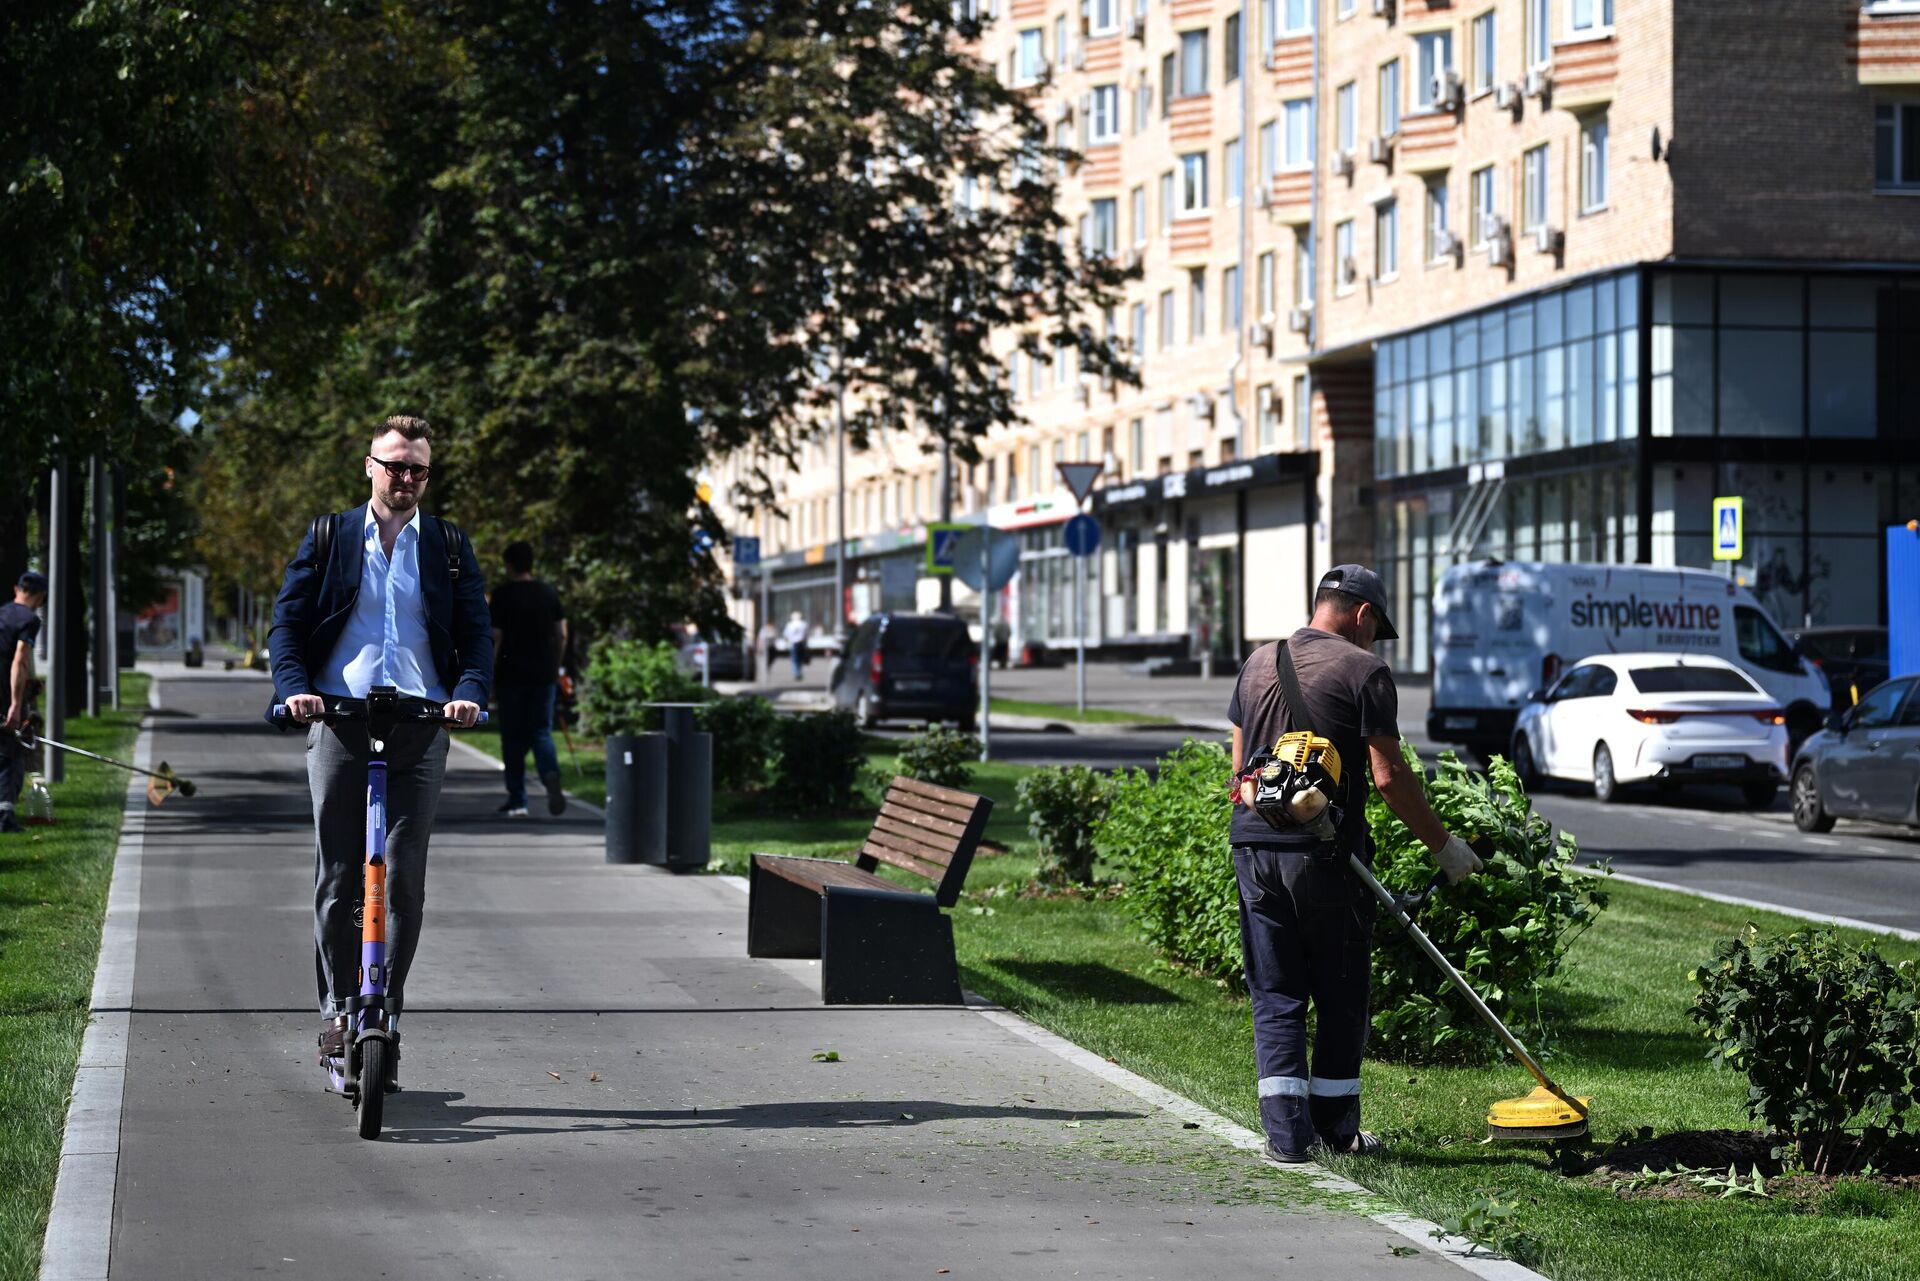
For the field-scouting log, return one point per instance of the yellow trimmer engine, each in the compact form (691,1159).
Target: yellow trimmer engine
(1292,786)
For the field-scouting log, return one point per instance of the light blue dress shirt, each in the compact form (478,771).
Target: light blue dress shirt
(385,641)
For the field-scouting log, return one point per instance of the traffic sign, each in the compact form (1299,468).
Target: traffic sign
(1079,478)
(1729,529)
(941,539)
(1082,535)
(986,559)
(746,552)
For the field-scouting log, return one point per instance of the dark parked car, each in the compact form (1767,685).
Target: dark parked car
(1865,764)
(726,661)
(910,667)
(1854,659)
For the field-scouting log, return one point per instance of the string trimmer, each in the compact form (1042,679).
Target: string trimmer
(1549,1114)
(165,781)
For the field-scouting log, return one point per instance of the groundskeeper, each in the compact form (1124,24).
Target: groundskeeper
(379,595)
(19,627)
(1311,715)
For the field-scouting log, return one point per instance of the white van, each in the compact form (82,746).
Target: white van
(1504,630)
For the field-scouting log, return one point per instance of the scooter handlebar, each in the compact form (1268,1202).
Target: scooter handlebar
(419,711)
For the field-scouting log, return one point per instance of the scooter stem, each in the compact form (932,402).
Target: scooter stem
(1459,981)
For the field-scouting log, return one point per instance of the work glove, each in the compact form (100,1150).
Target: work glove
(1457,860)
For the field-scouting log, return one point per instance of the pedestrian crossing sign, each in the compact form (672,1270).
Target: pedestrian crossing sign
(941,540)
(1729,530)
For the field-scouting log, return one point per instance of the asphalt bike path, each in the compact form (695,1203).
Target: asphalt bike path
(599,1083)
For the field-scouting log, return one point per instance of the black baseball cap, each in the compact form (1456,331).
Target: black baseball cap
(33,582)
(1363,584)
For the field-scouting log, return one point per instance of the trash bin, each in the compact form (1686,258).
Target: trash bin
(689,789)
(636,798)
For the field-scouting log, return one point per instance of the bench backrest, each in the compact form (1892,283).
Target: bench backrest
(930,831)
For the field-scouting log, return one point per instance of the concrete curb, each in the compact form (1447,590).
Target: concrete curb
(79,1236)
(1356,1198)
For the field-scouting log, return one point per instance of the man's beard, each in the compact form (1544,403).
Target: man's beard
(399,502)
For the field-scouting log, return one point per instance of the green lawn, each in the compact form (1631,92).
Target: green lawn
(53,894)
(1068,712)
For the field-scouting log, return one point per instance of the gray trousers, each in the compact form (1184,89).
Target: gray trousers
(337,775)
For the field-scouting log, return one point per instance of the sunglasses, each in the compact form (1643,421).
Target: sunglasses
(402,470)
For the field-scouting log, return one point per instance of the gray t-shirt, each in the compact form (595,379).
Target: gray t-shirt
(1350,698)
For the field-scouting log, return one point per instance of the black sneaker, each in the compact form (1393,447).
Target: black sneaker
(8,823)
(1361,1144)
(556,799)
(510,810)
(1275,1156)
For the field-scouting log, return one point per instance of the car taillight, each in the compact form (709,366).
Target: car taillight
(1646,717)
(879,664)
(1772,717)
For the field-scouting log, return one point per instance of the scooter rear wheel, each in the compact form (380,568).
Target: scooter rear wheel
(372,1099)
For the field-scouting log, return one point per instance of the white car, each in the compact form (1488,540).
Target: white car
(1615,719)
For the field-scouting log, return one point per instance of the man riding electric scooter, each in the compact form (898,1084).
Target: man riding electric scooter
(378,596)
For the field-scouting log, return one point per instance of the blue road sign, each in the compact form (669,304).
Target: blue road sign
(942,539)
(746,552)
(1082,535)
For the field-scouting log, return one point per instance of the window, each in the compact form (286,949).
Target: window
(1063,147)
(1344,268)
(1103,17)
(1302,413)
(1539,33)
(1434,58)
(1690,680)
(1103,228)
(1103,123)
(1230,170)
(1386,240)
(1303,270)
(1896,146)
(1485,207)
(1230,299)
(1439,243)
(1136,446)
(1013,373)
(1268,281)
(1193,182)
(1060,39)
(1347,7)
(1230,48)
(1142,105)
(1267,420)
(1390,99)
(1589,17)
(1299,148)
(1533,168)
(1137,206)
(1593,165)
(1166,319)
(1875,710)
(1486,55)
(1030,59)
(1059,362)
(1269,152)
(1036,375)
(1759,643)
(1169,84)
(1299,16)
(1166,202)
(1196,304)
(1137,329)
(1346,117)
(1193,63)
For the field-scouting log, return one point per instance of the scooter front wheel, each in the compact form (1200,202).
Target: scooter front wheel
(372,1099)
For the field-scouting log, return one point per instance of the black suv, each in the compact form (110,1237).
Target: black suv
(1854,659)
(910,667)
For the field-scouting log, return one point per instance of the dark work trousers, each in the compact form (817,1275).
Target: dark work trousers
(13,771)
(526,724)
(1306,931)
(337,775)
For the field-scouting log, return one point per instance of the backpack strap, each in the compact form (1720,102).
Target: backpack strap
(320,530)
(455,540)
(1290,686)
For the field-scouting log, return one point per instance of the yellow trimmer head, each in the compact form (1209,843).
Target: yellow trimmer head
(1540,1117)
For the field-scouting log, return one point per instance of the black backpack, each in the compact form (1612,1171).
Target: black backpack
(320,530)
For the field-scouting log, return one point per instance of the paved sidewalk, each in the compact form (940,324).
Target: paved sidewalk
(601,1084)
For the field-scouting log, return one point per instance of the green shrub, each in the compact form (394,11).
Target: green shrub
(941,756)
(623,676)
(1507,928)
(817,761)
(1826,1034)
(1064,805)
(743,741)
(1167,836)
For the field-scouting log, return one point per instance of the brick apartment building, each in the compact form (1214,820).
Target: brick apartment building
(1425,281)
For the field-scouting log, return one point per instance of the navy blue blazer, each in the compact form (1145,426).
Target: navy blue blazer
(316,601)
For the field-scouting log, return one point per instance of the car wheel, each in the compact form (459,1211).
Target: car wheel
(1606,788)
(1809,815)
(1524,765)
(1759,796)
(864,711)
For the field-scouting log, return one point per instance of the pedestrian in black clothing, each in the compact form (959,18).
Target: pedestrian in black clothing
(1306,922)
(530,640)
(19,626)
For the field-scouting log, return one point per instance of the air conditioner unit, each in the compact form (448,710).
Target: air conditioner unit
(1492,228)
(1343,164)
(1269,61)
(1539,81)
(1383,9)
(1445,91)
(1300,319)
(1445,243)
(1086,104)
(1549,240)
(1261,336)
(1506,96)
(1134,259)
(1349,271)
(1079,57)
(1137,29)
(1262,196)
(1380,150)
(1263,399)
(1201,405)
(1085,394)
(1500,246)
(1062,111)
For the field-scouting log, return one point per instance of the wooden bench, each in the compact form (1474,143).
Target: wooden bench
(878,942)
